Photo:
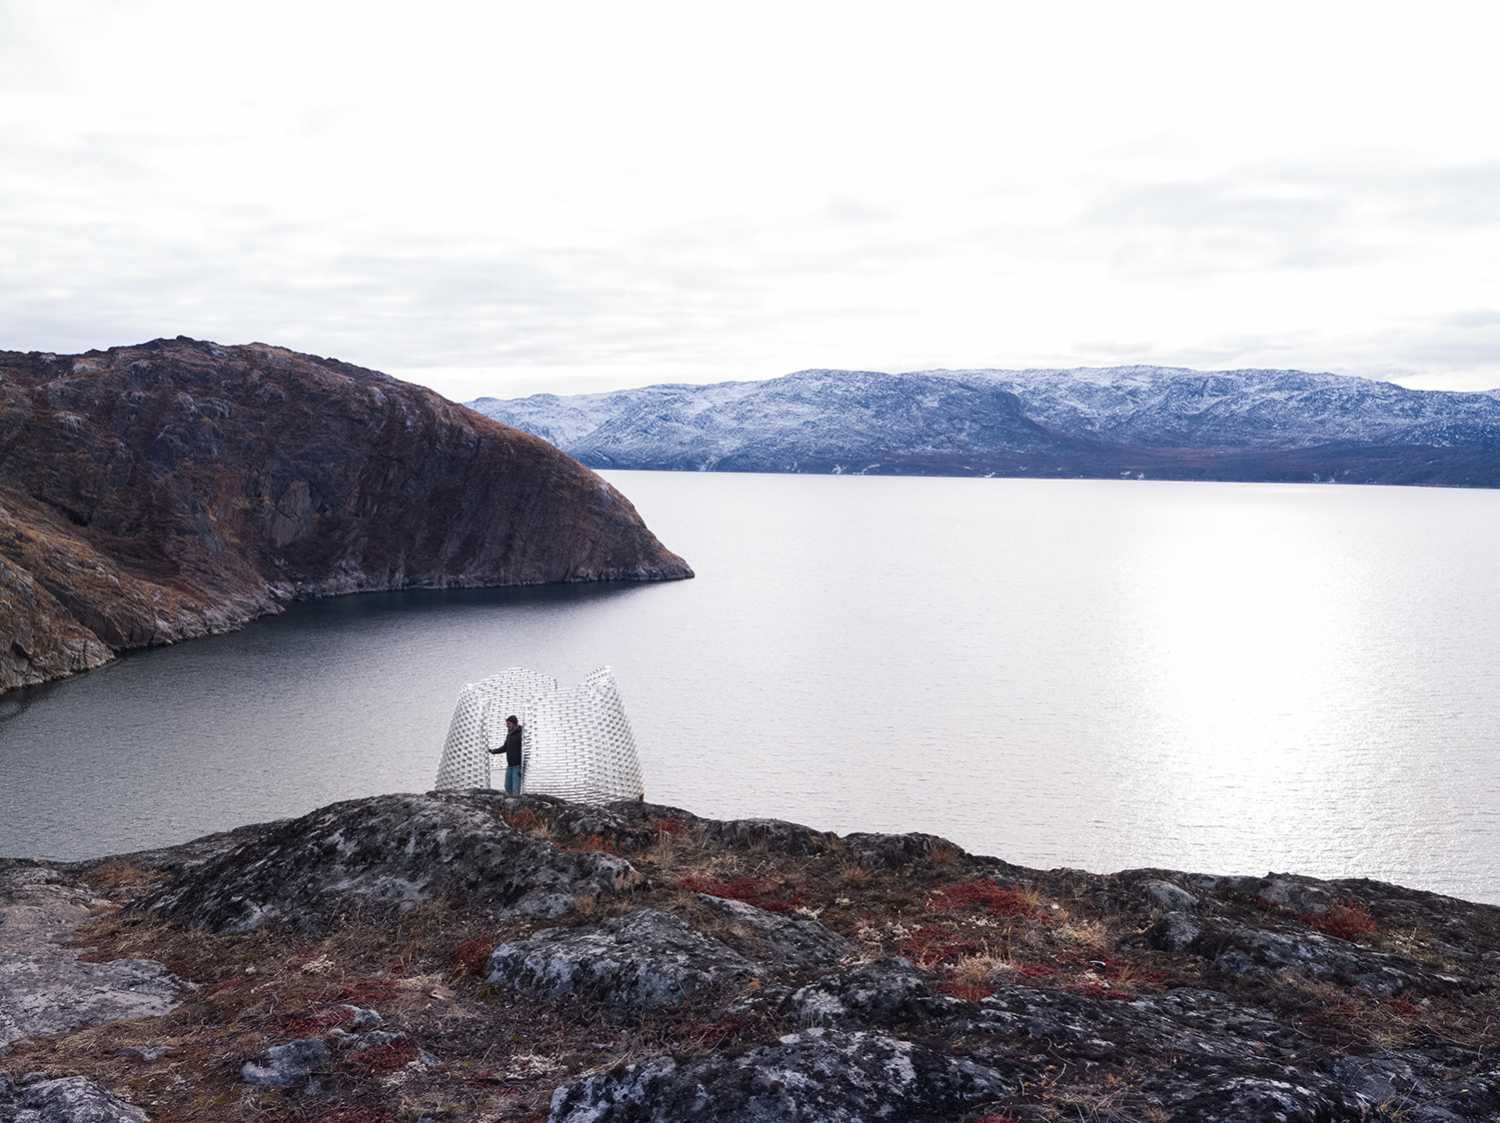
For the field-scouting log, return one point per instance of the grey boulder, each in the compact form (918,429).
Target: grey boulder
(646,960)
(282,1066)
(816,1076)
(791,942)
(71,1099)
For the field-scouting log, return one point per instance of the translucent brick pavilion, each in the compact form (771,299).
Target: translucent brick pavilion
(576,742)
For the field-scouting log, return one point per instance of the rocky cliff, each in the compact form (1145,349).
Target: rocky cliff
(154,493)
(473,956)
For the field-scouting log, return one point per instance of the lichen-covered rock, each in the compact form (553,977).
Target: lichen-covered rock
(282,1066)
(1247,950)
(796,943)
(1174,931)
(1198,1027)
(892,851)
(1163,894)
(71,1099)
(816,1076)
(1289,892)
(621,823)
(1298,895)
(771,835)
(888,992)
(383,853)
(1250,1099)
(1207,1034)
(646,960)
(1382,1079)
(44,987)
(1431,1092)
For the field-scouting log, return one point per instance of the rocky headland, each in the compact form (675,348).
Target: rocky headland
(473,956)
(180,488)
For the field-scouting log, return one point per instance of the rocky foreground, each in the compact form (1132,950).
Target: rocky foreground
(472,956)
(179,488)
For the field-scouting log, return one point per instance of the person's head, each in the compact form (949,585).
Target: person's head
(511,722)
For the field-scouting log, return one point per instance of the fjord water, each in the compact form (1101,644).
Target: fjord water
(1217,677)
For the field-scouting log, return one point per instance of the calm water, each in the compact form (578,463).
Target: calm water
(1224,677)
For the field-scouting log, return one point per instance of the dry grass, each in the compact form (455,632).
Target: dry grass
(117,874)
(945,854)
(854,875)
(979,970)
(1348,1017)
(1091,935)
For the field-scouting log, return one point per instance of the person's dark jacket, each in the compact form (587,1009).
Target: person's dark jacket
(512,747)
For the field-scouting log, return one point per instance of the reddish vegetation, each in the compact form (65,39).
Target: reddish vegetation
(1094,989)
(308,1025)
(984,894)
(1036,970)
(595,842)
(1403,1008)
(522,820)
(931,945)
(472,956)
(353,1115)
(1347,922)
(757,891)
(384,1058)
(367,992)
(669,826)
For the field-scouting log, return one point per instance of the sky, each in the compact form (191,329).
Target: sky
(505,198)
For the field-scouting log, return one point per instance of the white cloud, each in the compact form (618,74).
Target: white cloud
(499,198)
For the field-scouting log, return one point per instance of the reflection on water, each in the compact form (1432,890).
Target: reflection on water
(1226,677)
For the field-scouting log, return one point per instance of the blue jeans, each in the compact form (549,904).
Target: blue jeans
(513,776)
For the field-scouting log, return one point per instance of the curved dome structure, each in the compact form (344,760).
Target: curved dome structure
(577,742)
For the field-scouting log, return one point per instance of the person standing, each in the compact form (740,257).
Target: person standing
(515,769)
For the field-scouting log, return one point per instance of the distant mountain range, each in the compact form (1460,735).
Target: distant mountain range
(1134,421)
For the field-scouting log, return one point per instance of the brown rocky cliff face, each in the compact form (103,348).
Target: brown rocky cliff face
(179,488)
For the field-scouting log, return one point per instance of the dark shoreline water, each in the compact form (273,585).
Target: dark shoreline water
(1232,678)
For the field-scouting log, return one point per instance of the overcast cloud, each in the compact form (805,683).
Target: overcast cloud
(497,198)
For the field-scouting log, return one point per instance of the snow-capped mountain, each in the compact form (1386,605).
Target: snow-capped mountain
(1162,422)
